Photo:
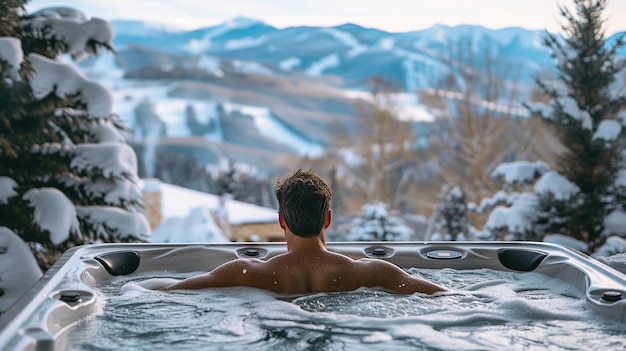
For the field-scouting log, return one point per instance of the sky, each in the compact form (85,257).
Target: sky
(389,15)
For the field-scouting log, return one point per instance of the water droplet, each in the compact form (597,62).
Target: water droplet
(245,271)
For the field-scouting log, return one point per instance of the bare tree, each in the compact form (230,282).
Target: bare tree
(481,124)
(375,162)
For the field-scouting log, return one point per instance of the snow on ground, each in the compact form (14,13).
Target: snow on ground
(194,216)
(170,110)
(254,68)
(211,64)
(502,106)
(179,202)
(245,43)
(274,129)
(196,46)
(348,40)
(344,37)
(387,43)
(407,104)
(104,68)
(411,110)
(198,226)
(289,63)
(317,68)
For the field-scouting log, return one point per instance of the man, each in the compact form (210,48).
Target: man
(307,267)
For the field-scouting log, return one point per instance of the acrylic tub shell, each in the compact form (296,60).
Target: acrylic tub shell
(65,294)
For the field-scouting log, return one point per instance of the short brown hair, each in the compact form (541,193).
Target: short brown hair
(303,200)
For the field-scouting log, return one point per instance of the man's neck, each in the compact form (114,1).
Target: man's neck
(305,245)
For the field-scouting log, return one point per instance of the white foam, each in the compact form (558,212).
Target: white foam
(486,309)
(377,337)
(146,285)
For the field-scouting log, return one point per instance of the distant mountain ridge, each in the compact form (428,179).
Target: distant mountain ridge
(411,60)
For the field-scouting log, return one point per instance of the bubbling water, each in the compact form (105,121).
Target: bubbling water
(486,309)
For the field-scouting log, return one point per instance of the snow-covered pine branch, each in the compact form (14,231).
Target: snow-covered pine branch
(7,189)
(66,82)
(14,253)
(519,172)
(607,131)
(108,224)
(11,52)
(61,221)
(556,186)
(111,159)
(514,222)
(72,27)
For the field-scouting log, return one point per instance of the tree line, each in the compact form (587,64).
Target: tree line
(566,134)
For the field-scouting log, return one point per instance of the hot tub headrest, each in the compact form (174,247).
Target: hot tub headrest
(521,259)
(120,262)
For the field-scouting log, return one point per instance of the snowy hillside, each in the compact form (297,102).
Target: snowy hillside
(244,88)
(411,60)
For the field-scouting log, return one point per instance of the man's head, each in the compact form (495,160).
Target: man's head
(304,201)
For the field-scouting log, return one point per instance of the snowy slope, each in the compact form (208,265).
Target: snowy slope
(291,85)
(337,50)
(193,216)
(178,201)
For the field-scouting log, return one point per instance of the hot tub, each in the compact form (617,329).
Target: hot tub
(69,295)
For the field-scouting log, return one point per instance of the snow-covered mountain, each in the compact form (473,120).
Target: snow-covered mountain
(354,53)
(246,91)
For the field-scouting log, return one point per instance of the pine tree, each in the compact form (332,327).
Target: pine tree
(376,223)
(243,183)
(512,211)
(67,175)
(228,181)
(453,222)
(584,115)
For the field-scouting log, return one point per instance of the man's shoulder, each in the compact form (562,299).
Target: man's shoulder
(246,262)
(243,263)
(375,263)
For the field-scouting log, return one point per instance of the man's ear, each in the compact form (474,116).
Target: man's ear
(281,221)
(329,218)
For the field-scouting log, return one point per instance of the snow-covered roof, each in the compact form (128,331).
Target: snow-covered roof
(177,201)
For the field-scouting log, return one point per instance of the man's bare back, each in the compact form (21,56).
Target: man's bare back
(310,271)
(307,266)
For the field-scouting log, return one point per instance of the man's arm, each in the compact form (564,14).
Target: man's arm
(233,273)
(391,277)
